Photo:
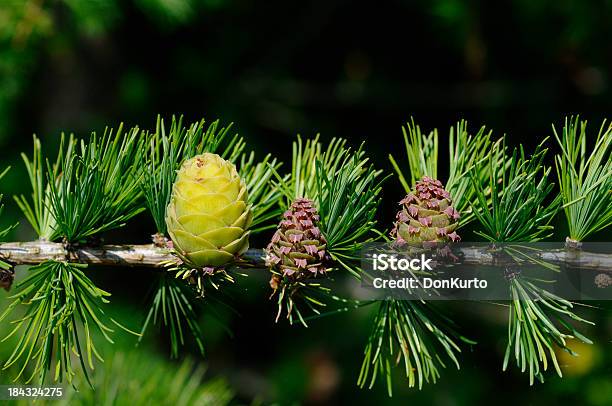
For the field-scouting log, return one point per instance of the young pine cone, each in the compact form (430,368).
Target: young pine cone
(208,216)
(298,249)
(427,216)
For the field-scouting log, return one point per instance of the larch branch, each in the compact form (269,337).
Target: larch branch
(151,256)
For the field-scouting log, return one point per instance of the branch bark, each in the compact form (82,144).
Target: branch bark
(150,256)
(146,255)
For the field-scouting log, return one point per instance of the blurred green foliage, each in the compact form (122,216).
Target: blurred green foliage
(132,376)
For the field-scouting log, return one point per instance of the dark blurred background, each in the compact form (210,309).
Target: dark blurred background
(342,68)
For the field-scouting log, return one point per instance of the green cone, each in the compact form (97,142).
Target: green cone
(208,215)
